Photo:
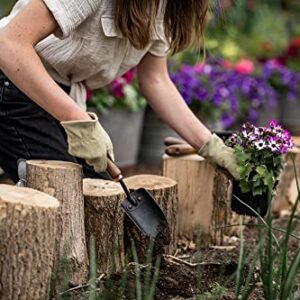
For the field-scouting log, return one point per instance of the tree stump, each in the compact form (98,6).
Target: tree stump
(205,193)
(164,191)
(104,220)
(63,180)
(287,192)
(28,228)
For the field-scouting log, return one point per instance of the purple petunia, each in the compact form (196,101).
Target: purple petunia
(214,91)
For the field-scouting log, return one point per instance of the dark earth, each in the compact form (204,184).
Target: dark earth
(190,273)
(180,277)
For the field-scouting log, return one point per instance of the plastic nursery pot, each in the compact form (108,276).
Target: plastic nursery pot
(224,135)
(257,203)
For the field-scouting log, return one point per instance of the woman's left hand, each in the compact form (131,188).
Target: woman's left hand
(218,153)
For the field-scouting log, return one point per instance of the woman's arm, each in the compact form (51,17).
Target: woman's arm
(21,64)
(160,92)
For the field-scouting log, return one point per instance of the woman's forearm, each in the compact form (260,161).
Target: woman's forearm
(23,67)
(165,99)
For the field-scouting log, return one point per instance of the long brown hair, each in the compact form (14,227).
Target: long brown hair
(184,21)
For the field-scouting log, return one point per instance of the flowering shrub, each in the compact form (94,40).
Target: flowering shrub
(284,80)
(291,56)
(233,93)
(221,91)
(122,92)
(258,152)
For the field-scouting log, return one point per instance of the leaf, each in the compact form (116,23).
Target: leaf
(291,276)
(269,179)
(258,183)
(241,155)
(245,186)
(258,191)
(261,170)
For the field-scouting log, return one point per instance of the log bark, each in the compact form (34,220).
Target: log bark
(28,229)
(164,191)
(104,220)
(205,192)
(287,192)
(63,180)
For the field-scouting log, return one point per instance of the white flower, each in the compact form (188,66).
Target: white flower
(260,144)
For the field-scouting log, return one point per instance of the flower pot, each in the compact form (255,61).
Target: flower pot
(154,132)
(211,125)
(290,115)
(266,114)
(257,203)
(124,128)
(224,134)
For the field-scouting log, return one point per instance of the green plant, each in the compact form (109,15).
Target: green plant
(122,92)
(215,293)
(278,271)
(258,152)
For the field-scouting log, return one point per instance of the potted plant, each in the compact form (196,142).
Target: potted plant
(259,155)
(120,109)
(286,83)
(224,95)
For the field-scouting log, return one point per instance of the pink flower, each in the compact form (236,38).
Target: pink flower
(296,41)
(89,95)
(245,66)
(227,64)
(128,76)
(199,67)
(275,63)
(117,88)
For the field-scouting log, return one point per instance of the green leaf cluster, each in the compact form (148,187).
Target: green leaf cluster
(258,170)
(104,100)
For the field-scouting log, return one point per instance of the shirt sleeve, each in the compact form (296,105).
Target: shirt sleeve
(69,14)
(160,45)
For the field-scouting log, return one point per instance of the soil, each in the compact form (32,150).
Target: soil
(194,274)
(190,273)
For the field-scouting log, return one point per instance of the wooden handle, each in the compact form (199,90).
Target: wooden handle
(180,150)
(169,141)
(113,171)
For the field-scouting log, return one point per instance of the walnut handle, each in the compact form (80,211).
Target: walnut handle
(180,150)
(113,171)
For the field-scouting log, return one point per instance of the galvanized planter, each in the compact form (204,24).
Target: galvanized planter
(124,128)
(290,116)
(154,132)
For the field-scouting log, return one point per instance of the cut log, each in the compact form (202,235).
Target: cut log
(205,193)
(287,192)
(164,191)
(63,180)
(104,220)
(28,229)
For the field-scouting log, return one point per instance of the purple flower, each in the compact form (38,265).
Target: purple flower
(227,120)
(230,96)
(274,138)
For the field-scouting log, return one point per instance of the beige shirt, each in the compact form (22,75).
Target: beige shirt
(89,51)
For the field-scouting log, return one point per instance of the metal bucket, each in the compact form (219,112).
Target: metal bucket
(124,128)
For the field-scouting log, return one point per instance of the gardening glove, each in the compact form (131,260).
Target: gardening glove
(88,140)
(216,152)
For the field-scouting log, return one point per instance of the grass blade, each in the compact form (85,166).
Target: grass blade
(137,271)
(241,262)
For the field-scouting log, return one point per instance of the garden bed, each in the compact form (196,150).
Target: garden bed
(180,276)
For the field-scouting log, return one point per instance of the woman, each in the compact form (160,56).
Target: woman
(52,50)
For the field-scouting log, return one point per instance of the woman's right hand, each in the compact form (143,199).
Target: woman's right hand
(88,140)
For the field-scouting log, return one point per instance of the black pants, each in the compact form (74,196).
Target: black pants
(29,132)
